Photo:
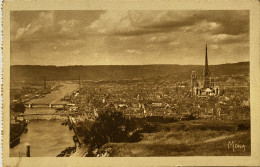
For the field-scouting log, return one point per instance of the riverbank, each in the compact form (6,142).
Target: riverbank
(80,138)
(16,130)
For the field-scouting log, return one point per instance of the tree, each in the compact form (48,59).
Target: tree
(19,108)
(111,126)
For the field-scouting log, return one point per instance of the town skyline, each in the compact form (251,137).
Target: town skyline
(67,38)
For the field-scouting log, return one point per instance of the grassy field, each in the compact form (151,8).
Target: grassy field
(189,138)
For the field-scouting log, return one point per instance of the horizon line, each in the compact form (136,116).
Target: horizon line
(128,64)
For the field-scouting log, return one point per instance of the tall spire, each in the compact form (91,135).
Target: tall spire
(206,68)
(206,71)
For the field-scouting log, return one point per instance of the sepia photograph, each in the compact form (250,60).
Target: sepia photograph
(101,83)
(129,83)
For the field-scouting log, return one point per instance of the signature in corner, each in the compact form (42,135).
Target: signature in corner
(234,146)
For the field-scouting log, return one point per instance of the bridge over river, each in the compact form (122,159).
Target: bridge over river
(44,108)
(47,116)
(30,105)
(62,114)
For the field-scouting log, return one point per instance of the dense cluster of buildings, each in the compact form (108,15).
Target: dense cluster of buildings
(142,98)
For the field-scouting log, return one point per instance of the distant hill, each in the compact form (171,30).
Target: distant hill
(119,72)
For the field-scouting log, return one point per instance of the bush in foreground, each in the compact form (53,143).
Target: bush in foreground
(19,108)
(111,126)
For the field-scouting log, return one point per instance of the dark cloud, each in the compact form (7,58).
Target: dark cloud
(38,25)
(128,37)
(130,23)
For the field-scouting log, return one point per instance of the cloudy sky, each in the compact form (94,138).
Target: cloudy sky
(128,37)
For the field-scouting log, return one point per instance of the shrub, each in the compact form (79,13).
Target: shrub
(243,126)
(19,108)
(111,126)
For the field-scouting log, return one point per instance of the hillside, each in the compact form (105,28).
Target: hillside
(188,138)
(117,72)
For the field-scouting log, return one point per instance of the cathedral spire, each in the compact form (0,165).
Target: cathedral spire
(206,70)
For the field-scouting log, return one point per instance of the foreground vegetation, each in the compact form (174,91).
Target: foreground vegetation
(188,138)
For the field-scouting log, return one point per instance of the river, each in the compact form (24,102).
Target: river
(55,96)
(47,137)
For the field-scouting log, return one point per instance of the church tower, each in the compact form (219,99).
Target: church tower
(206,74)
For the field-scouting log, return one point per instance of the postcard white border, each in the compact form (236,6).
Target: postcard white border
(252,5)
